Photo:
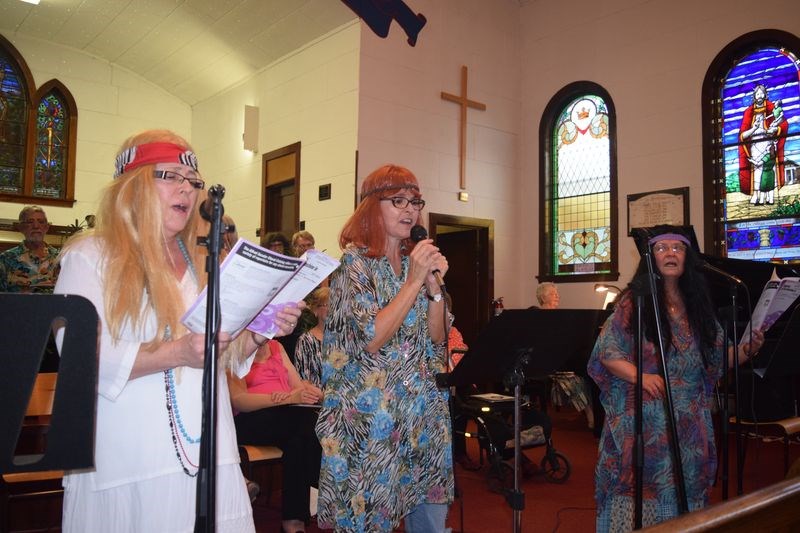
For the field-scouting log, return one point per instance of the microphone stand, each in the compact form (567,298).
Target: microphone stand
(677,464)
(516,377)
(451,399)
(638,440)
(733,286)
(725,422)
(205,505)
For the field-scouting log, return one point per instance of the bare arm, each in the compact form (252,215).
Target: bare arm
(436,316)
(746,350)
(244,401)
(652,384)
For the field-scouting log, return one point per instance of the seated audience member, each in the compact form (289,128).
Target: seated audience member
(547,296)
(302,241)
(31,266)
(567,387)
(266,417)
(308,353)
(277,242)
(457,347)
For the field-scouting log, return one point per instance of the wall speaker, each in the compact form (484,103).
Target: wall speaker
(250,135)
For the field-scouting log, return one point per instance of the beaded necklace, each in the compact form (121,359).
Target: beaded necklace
(175,421)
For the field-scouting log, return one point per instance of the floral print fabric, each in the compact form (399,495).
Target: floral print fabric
(384,426)
(22,271)
(692,385)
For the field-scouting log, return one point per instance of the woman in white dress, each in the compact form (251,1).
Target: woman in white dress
(141,268)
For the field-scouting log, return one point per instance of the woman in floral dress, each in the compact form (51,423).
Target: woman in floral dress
(384,426)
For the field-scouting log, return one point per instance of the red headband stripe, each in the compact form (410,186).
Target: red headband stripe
(153,153)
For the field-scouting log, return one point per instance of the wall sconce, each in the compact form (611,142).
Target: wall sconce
(612,291)
(602,287)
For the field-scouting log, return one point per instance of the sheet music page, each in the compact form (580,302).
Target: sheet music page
(777,296)
(250,277)
(316,267)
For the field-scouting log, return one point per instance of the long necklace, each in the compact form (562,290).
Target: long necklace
(176,426)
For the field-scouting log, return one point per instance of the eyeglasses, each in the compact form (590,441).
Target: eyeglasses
(401,202)
(662,248)
(177,178)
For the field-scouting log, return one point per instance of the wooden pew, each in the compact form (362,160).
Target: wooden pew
(775,509)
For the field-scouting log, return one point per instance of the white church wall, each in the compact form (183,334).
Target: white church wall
(403,119)
(113,104)
(652,58)
(311,96)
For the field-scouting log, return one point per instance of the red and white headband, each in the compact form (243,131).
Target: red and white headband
(152,153)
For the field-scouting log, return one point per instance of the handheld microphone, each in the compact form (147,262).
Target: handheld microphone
(419,233)
(207,207)
(711,268)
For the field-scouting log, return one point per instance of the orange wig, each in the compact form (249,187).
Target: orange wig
(365,227)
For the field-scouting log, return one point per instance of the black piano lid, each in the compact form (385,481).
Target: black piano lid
(754,274)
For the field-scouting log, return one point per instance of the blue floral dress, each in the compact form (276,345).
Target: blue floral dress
(384,426)
(692,385)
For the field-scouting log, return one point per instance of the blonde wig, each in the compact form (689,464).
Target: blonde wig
(136,267)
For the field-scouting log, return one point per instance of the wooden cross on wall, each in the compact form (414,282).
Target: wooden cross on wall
(464,102)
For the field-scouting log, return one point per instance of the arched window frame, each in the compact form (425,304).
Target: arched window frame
(33,97)
(547,175)
(713,163)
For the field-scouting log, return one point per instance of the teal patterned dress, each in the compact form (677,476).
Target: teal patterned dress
(692,384)
(384,426)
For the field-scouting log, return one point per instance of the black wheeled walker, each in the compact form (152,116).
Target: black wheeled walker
(491,414)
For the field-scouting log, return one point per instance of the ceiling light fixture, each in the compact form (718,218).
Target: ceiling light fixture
(34,2)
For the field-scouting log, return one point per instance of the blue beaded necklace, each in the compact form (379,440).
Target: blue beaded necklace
(173,412)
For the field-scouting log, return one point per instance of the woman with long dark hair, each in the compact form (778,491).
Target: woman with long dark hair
(693,340)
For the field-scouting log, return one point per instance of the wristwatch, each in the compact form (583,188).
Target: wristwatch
(436,297)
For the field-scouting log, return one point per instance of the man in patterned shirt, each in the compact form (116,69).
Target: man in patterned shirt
(32,265)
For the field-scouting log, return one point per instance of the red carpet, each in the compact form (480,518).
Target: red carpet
(567,507)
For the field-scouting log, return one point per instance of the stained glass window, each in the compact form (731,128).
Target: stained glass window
(758,155)
(13,123)
(38,170)
(578,189)
(52,127)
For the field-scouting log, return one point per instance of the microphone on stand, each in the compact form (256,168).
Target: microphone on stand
(206,208)
(419,233)
(711,268)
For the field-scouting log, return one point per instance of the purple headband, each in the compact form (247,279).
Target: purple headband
(669,237)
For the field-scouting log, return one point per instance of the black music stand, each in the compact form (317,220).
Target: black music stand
(784,360)
(525,343)
(70,442)
(766,394)
(555,335)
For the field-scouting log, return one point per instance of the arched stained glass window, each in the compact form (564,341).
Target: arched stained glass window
(578,186)
(752,96)
(42,169)
(14,106)
(52,129)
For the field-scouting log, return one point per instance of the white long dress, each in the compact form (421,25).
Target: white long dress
(138,483)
